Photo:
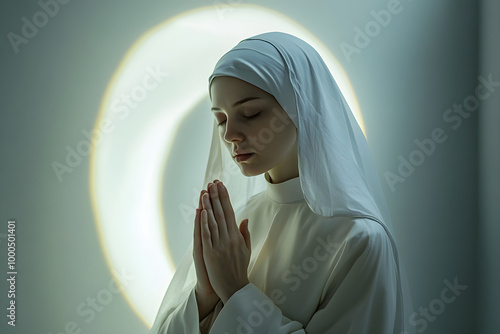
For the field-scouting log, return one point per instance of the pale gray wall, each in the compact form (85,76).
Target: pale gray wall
(489,181)
(418,66)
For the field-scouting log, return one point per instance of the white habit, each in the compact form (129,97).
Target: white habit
(324,259)
(308,274)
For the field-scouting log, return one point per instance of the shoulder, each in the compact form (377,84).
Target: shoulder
(369,237)
(367,229)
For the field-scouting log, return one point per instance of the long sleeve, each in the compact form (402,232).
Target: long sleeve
(249,310)
(183,319)
(207,323)
(360,296)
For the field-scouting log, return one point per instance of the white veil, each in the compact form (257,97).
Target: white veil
(337,173)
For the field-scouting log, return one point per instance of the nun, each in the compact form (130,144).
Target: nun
(292,233)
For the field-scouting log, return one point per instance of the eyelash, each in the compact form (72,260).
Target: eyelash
(249,117)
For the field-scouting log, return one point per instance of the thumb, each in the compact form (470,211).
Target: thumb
(245,233)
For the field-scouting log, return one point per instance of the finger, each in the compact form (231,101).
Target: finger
(200,205)
(218,212)
(228,208)
(196,234)
(197,242)
(210,219)
(206,239)
(197,225)
(246,233)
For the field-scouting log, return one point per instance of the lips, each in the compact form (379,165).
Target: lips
(236,153)
(243,157)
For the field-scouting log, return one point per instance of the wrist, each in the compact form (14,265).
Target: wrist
(231,292)
(206,296)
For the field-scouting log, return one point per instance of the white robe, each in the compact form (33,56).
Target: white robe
(307,273)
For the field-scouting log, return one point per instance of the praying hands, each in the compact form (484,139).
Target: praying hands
(221,251)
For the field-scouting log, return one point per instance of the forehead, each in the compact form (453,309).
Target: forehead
(226,89)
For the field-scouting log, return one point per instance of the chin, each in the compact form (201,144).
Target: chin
(245,170)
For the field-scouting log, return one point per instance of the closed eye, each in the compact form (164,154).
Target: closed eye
(253,116)
(247,117)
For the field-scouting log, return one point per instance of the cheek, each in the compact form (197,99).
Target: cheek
(287,138)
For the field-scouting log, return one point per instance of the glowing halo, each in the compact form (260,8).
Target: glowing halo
(165,76)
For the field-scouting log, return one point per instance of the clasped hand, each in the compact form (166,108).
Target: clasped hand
(221,249)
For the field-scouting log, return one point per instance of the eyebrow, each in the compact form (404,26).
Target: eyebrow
(246,99)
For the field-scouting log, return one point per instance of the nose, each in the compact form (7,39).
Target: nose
(233,132)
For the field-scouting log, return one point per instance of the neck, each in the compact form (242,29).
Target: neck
(274,179)
(284,172)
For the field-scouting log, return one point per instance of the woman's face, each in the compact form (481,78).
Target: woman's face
(252,121)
